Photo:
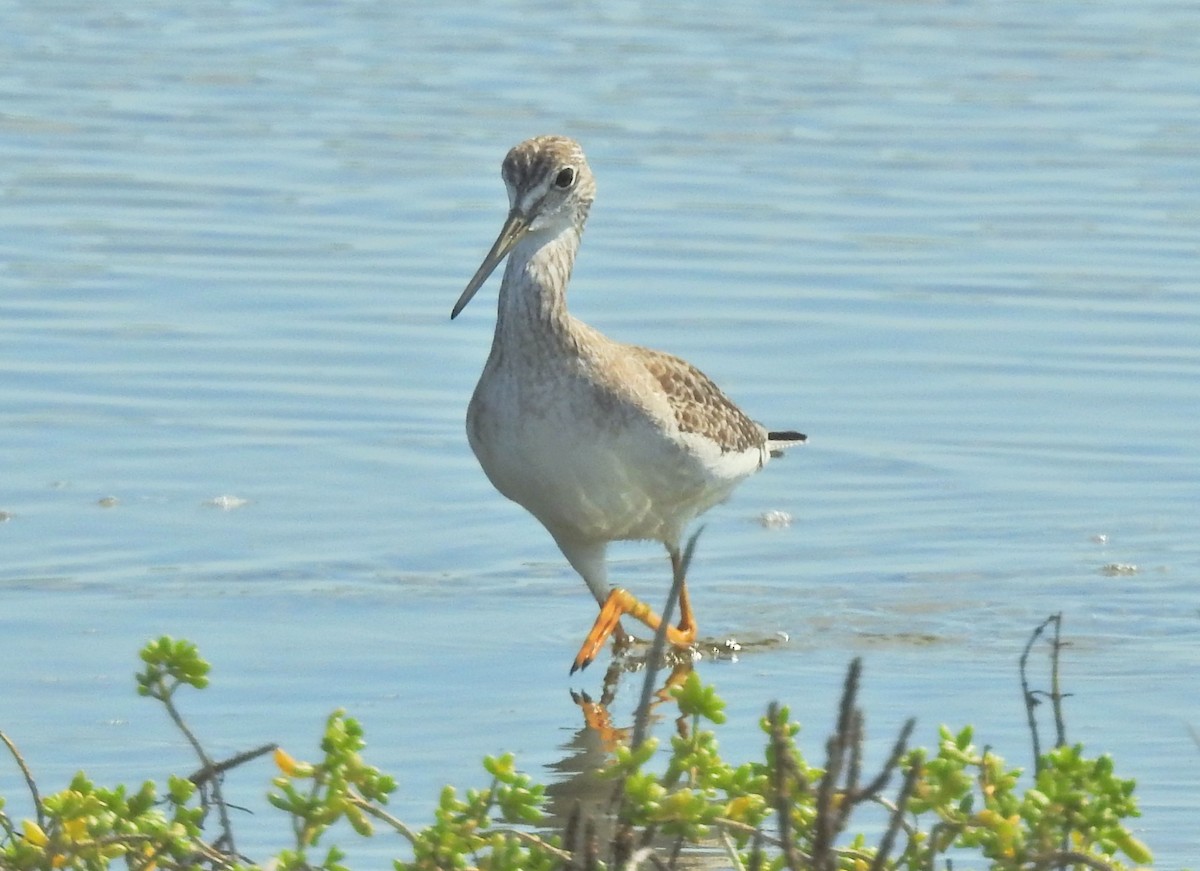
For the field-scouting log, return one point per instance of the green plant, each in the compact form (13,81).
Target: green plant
(776,812)
(1073,812)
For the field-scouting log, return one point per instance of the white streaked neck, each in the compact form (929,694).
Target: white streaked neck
(533,295)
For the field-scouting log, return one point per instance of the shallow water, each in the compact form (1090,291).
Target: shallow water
(955,244)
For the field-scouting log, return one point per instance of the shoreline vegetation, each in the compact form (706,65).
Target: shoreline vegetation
(670,804)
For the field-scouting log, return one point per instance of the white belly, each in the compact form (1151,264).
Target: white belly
(594,471)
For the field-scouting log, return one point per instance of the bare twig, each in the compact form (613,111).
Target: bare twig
(731,852)
(1055,695)
(383,816)
(897,818)
(885,802)
(881,780)
(623,850)
(28,775)
(622,840)
(201,775)
(212,854)
(839,792)
(570,835)
(642,722)
(784,766)
(591,847)
(1064,858)
(841,755)
(532,840)
(1029,698)
(676,848)
(579,837)
(225,842)
(756,852)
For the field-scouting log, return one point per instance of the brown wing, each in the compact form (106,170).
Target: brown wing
(700,406)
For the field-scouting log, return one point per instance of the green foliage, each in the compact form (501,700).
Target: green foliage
(465,833)
(1076,805)
(698,789)
(772,813)
(85,826)
(339,787)
(1072,816)
(169,665)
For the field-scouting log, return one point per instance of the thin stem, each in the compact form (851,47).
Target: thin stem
(877,785)
(783,805)
(680,566)
(535,841)
(29,781)
(1056,695)
(226,839)
(897,818)
(1028,697)
(1072,857)
(731,850)
(383,816)
(209,772)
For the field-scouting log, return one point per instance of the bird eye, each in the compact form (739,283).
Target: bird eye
(565,178)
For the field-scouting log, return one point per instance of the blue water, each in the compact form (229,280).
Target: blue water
(957,244)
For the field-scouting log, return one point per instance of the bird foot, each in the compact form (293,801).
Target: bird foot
(619,603)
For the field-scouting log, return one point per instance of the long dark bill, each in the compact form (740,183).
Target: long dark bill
(515,226)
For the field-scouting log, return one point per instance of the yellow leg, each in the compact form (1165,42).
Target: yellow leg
(687,620)
(621,602)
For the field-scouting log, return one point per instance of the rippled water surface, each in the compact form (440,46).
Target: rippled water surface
(957,244)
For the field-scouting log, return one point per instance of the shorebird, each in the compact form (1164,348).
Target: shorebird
(599,440)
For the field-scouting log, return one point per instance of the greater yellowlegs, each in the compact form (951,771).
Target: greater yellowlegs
(599,440)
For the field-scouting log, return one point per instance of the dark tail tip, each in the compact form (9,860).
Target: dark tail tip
(787,435)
